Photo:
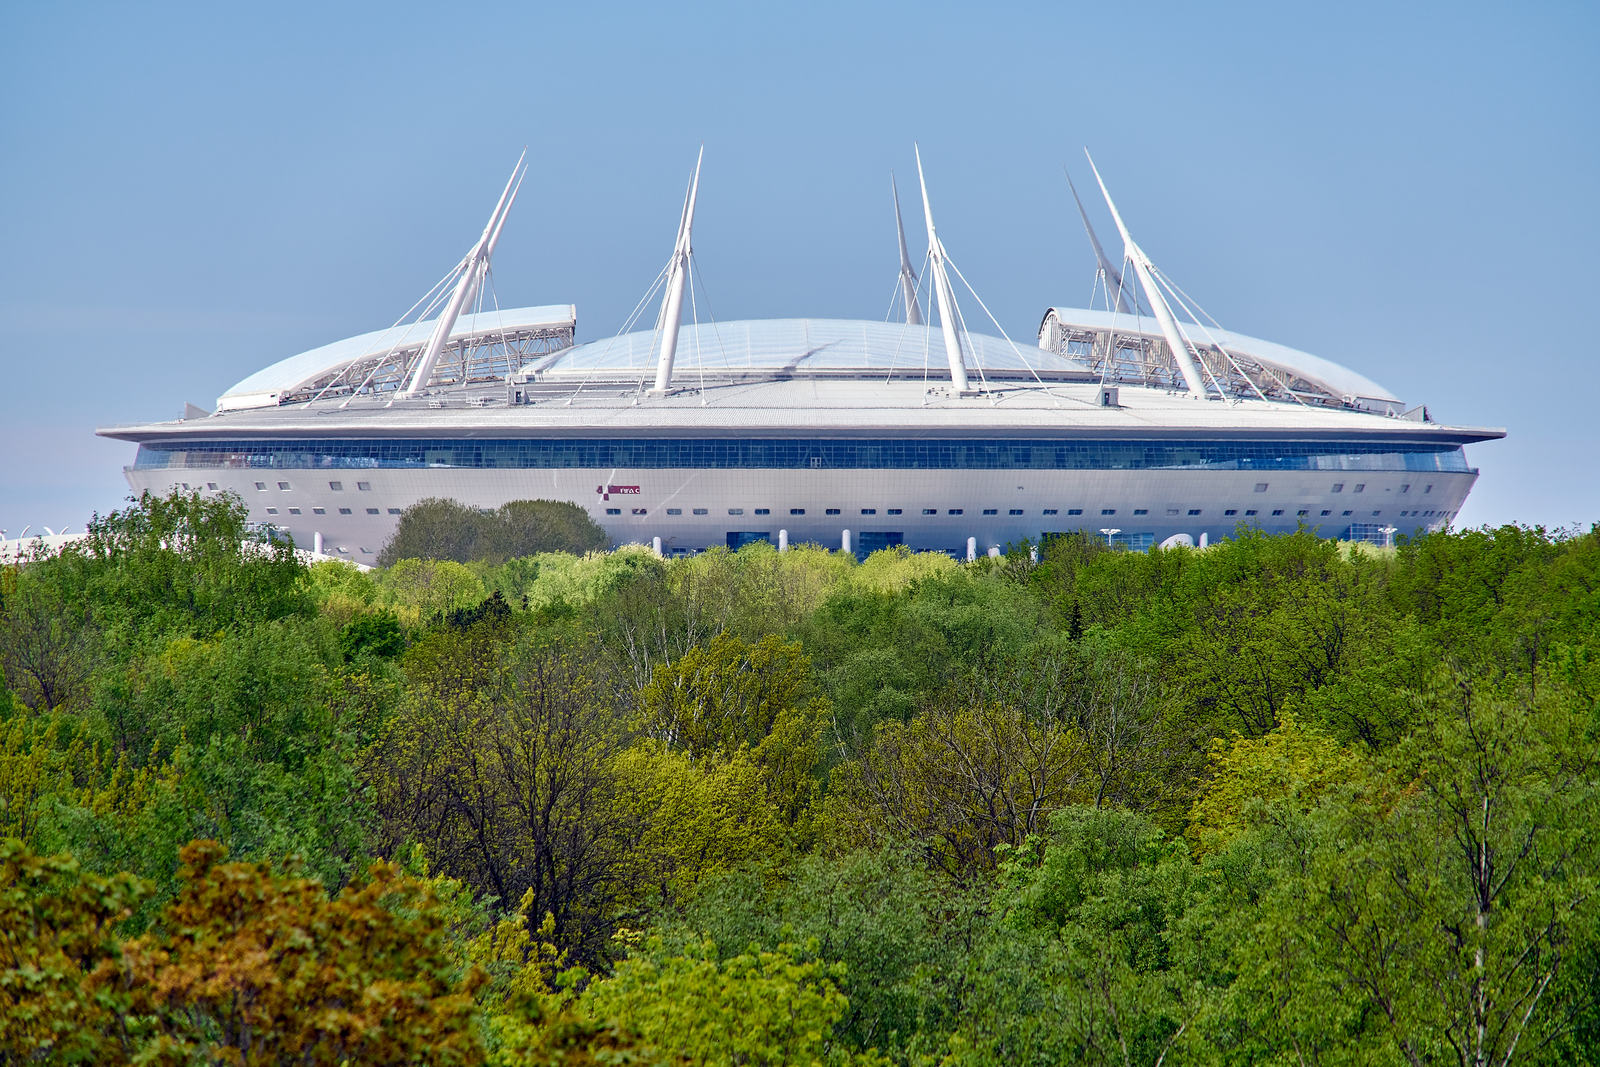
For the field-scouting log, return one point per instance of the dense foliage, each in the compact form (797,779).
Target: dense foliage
(1278,801)
(447,529)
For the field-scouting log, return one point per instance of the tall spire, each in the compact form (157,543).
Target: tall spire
(1113,277)
(908,277)
(677,280)
(472,269)
(941,289)
(1158,303)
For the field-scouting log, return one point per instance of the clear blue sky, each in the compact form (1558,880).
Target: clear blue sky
(190,192)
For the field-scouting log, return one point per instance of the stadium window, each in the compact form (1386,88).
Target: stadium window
(1346,513)
(1250,511)
(1074,511)
(319,511)
(261,485)
(1231,511)
(1338,487)
(372,511)
(1361,487)
(736,511)
(394,511)
(930,511)
(1049,511)
(641,511)
(365,551)
(365,487)
(1302,513)
(1172,511)
(1145,511)
(1261,487)
(831,511)
(793,511)
(337,487)
(613,511)
(1426,489)
(869,511)
(294,511)
(763,511)
(213,485)
(283,485)
(894,511)
(344,511)
(956,511)
(1108,511)
(1194,511)
(272,511)
(1406,488)
(1014,511)
(701,511)
(1325,511)
(343,551)
(1277,511)
(991,511)
(1375,514)
(674,511)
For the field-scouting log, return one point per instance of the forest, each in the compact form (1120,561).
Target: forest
(1277,801)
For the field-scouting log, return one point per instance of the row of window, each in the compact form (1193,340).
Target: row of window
(324,511)
(337,487)
(1228,512)
(819,453)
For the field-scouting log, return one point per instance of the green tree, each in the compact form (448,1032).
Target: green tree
(440,529)
(758,1007)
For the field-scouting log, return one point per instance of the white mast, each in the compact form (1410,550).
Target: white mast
(941,288)
(677,280)
(472,267)
(1112,275)
(1158,303)
(908,277)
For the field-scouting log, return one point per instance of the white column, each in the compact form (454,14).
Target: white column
(994,551)
(844,542)
(316,542)
(972,549)
(655,545)
(1203,539)
(783,540)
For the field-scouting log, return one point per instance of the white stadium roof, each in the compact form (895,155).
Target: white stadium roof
(272,385)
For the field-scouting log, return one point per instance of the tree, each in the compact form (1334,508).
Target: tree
(501,767)
(257,967)
(1444,895)
(755,1008)
(440,529)
(58,949)
(1079,967)
(961,778)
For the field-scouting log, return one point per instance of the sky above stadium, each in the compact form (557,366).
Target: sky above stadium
(191,192)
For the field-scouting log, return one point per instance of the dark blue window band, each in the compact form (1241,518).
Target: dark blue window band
(823,453)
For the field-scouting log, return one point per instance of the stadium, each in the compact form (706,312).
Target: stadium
(1142,422)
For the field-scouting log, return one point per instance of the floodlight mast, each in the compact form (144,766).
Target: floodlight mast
(677,281)
(941,288)
(908,277)
(1158,303)
(472,269)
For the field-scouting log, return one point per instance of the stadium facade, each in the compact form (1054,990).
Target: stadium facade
(1142,422)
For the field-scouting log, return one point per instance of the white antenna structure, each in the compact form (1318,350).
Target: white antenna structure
(941,289)
(908,277)
(470,273)
(677,281)
(1142,269)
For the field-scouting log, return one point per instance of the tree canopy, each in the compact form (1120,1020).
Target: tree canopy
(1278,802)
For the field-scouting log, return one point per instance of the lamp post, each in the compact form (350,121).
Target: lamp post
(1388,536)
(1110,532)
